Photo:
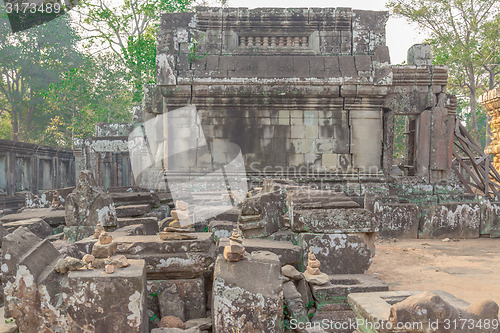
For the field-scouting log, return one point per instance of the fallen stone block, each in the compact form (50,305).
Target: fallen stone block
(174,259)
(339,253)
(288,253)
(203,215)
(129,230)
(490,219)
(132,210)
(331,221)
(95,304)
(241,304)
(75,233)
(332,321)
(304,199)
(374,308)
(150,223)
(88,205)
(295,307)
(53,217)
(221,229)
(262,214)
(36,225)
(68,248)
(452,220)
(189,294)
(333,297)
(397,220)
(177,330)
(135,198)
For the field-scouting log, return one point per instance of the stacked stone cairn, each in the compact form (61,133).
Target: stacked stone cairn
(312,274)
(235,251)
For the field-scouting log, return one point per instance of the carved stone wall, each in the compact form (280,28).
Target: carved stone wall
(302,87)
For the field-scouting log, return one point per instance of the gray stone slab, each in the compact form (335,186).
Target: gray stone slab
(132,210)
(150,223)
(375,307)
(452,220)
(240,302)
(36,225)
(96,305)
(52,217)
(338,253)
(331,221)
(397,220)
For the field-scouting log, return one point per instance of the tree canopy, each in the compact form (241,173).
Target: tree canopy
(59,79)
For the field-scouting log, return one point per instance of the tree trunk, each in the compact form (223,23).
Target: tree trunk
(15,125)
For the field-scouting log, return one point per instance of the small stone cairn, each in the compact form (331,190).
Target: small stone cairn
(312,274)
(235,251)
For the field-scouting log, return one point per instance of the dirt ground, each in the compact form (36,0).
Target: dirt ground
(468,269)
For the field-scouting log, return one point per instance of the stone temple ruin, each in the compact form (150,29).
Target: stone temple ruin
(309,98)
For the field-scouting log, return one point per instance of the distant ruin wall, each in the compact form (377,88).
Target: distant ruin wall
(33,168)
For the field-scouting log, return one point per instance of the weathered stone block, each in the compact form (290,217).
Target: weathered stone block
(95,304)
(132,210)
(150,223)
(75,233)
(375,307)
(189,292)
(241,304)
(221,229)
(338,253)
(37,226)
(452,220)
(397,220)
(87,205)
(490,219)
(172,259)
(330,221)
(53,217)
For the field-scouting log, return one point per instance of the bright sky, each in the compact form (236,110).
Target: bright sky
(400,34)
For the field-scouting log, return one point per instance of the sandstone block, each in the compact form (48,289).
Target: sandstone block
(239,302)
(338,253)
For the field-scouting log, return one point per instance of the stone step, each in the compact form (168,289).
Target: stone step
(40,257)
(36,225)
(132,210)
(288,253)
(150,223)
(333,296)
(334,221)
(53,217)
(135,198)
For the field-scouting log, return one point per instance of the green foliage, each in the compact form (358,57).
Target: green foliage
(5,127)
(127,30)
(310,304)
(29,62)
(193,53)
(399,137)
(83,98)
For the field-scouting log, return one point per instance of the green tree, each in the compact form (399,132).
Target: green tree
(84,97)
(29,62)
(128,30)
(464,36)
